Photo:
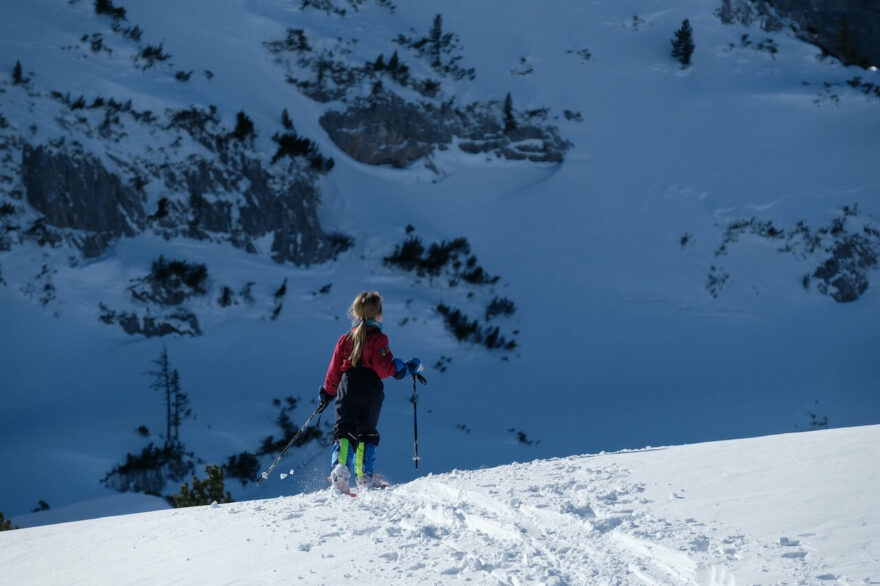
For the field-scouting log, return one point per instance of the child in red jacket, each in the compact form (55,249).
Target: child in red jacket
(360,361)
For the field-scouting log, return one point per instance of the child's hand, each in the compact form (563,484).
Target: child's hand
(325,398)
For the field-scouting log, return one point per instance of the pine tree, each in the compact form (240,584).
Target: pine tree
(286,120)
(162,383)
(167,381)
(244,466)
(509,120)
(435,40)
(225,299)
(399,71)
(203,492)
(244,126)
(180,409)
(6,524)
(725,13)
(16,73)
(683,43)
(106,7)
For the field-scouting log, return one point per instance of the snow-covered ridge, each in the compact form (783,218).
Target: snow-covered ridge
(799,508)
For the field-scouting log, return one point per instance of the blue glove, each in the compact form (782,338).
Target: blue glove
(400,368)
(405,368)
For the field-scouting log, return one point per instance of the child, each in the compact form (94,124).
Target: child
(360,361)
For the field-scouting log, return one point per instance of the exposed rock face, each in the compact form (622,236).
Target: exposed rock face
(108,171)
(90,207)
(297,234)
(848,29)
(384,129)
(81,194)
(844,275)
(179,322)
(537,144)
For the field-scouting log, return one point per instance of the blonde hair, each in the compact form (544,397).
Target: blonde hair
(367,305)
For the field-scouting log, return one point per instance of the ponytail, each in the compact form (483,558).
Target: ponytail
(358,337)
(367,305)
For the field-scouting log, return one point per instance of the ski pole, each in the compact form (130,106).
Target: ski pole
(265,474)
(422,380)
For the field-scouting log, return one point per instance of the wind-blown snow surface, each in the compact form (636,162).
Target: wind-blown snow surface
(790,509)
(620,344)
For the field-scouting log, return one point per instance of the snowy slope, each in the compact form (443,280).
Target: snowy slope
(621,345)
(790,509)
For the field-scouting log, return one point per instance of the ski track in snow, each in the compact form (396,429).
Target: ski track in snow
(647,517)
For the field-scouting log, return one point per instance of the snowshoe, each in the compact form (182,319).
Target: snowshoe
(371,481)
(339,478)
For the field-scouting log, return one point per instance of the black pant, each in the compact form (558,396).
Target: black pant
(358,404)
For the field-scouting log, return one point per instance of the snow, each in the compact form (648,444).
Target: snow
(620,344)
(788,509)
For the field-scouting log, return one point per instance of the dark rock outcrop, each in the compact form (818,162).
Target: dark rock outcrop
(385,129)
(79,193)
(847,29)
(86,205)
(180,322)
(843,275)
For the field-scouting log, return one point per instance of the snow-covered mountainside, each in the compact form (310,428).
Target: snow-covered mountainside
(589,246)
(790,509)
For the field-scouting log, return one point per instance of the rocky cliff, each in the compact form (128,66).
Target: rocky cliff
(847,29)
(408,114)
(77,195)
(384,129)
(223,190)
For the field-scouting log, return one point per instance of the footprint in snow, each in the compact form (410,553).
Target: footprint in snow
(606,525)
(584,511)
(795,555)
(609,497)
(700,543)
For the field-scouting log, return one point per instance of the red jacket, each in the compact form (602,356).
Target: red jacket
(376,355)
